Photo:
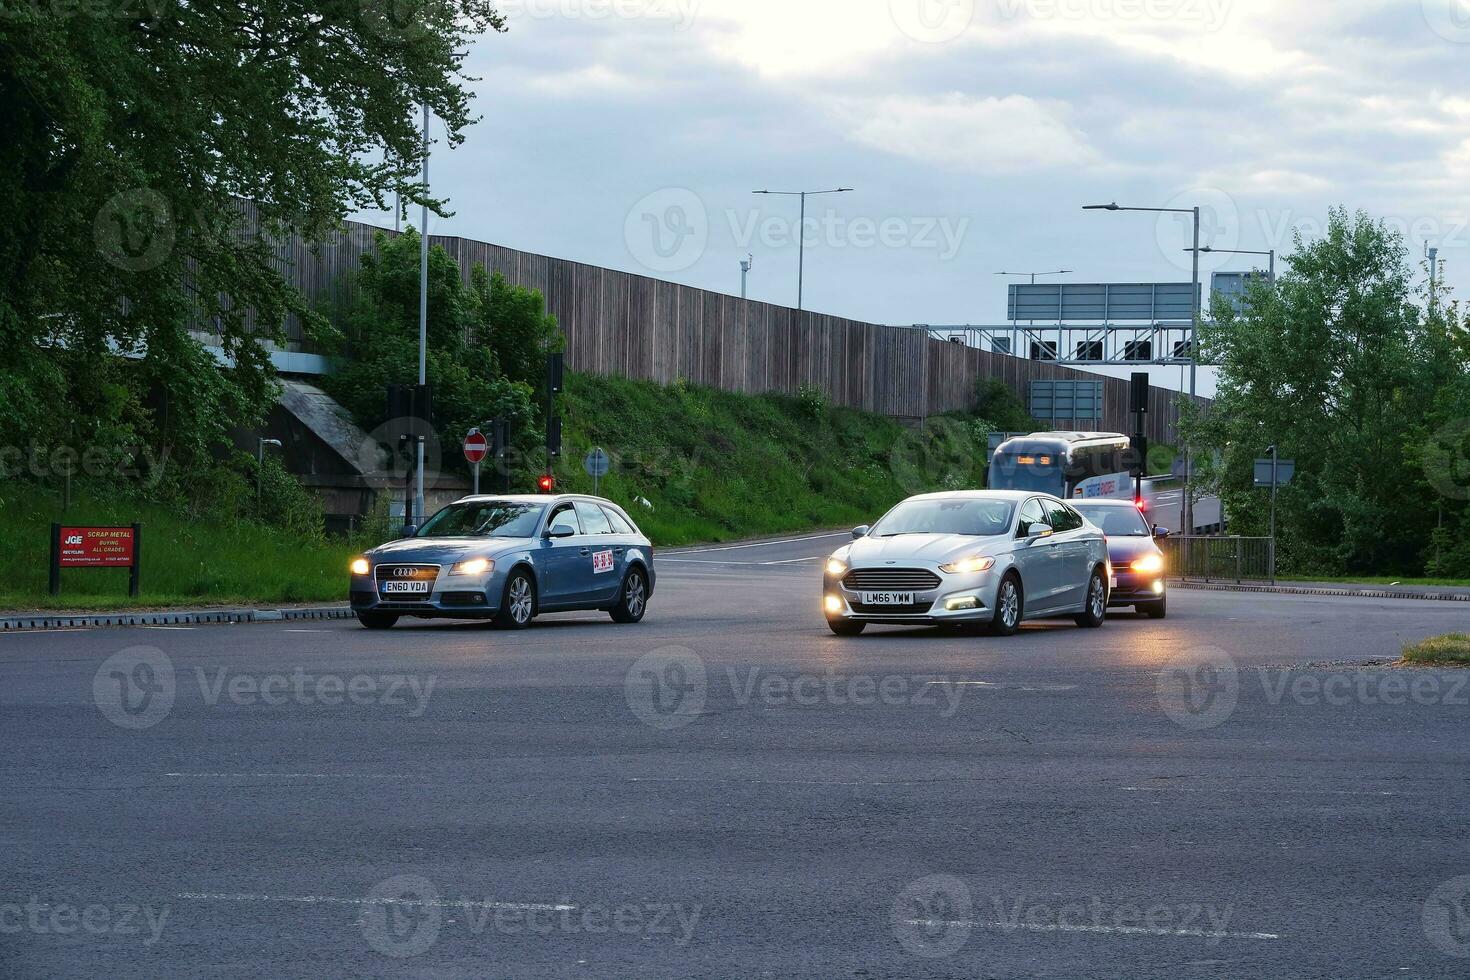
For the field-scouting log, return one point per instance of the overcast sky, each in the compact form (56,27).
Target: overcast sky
(630,133)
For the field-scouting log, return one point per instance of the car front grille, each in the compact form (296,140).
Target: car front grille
(390,572)
(890,580)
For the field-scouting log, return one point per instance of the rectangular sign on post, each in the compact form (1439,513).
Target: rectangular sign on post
(96,547)
(1285,470)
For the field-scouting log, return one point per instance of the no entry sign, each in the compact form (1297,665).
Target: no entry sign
(475,446)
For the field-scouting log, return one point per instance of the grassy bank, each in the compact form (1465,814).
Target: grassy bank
(691,464)
(716,465)
(186,561)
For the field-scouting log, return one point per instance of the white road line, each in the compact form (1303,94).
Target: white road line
(1301,792)
(59,629)
(333,900)
(792,561)
(168,627)
(762,544)
(286,775)
(1103,930)
(1006,685)
(306,631)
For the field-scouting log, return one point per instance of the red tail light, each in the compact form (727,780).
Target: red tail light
(546,483)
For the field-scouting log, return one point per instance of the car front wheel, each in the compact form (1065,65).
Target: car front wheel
(518,603)
(1009,604)
(1155,610)
(632,598)
(845,627)
(1096,610)
(377,620)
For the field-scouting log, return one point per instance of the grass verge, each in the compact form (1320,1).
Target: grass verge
(1452,649)
(187,561)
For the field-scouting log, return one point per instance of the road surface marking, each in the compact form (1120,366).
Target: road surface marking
(1007,685)
(792,561)
(762,544)
(306,631)
(287,775)
(1307,792)
(334,900)
(168,627)
(1105,930)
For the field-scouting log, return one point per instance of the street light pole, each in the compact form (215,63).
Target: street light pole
(1187,508)
(418,500)
(801,234)
(745,266)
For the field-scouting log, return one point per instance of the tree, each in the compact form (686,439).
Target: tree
(463,359)
(131,141)
(1337,367)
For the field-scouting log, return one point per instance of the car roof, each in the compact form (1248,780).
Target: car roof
(1104,501)
(536,498)
(980,495)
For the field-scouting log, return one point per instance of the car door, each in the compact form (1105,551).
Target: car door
(561,581)
(1037,559)
(603,557)
(1074,565)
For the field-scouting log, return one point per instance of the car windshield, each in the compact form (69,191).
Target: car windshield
(1115,521)
(484,519)
(958,516)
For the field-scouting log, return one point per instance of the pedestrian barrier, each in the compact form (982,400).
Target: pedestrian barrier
(1219,558)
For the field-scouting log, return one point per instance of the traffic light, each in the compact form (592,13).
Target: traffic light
(553,436)
(1138,451)
(555,365)
(546,483)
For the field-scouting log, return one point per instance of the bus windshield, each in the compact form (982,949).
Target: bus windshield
(1041,472)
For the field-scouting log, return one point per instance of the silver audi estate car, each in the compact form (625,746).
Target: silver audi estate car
(507,559)
(977,558)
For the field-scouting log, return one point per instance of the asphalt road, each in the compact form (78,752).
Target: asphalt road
(728,790)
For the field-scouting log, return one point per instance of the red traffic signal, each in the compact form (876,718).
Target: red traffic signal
(546,483)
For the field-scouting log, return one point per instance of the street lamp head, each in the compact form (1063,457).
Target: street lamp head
(1102,207)
(270,442)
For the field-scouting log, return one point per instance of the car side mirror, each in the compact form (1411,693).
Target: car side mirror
(1160,532)
(1038,530)
(408,530)
(861,531)
(561,531)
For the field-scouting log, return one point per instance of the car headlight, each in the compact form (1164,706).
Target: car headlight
(361,566)
(968,566)
(836,566)
(473,566)
(1148,564)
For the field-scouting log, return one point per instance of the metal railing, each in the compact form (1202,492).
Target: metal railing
(1220,559)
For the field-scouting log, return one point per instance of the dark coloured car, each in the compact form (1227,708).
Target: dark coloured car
(1138,561)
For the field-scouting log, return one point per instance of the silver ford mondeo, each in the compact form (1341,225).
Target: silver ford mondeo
(977,558)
